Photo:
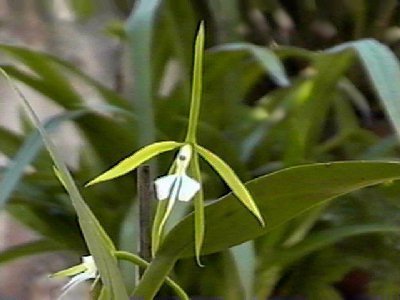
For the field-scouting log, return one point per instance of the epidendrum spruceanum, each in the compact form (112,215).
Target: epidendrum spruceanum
(183,182)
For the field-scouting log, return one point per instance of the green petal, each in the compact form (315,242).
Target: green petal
(70,271)
(231,179)
(199,225)
(132,162)
(197,85)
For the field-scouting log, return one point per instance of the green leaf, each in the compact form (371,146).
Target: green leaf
(139,27)
(383,70)
(231,180)
(245,259)
(45,61)
(280,196)
(48,79)
(104,294)
(61,229)
(109,95)
(311,101)
(46,71)
(26,155)
(324,238)
(10,141)
(99,244)
(31,248)
(265,57)
(136,159)
(197,86)
(281,258)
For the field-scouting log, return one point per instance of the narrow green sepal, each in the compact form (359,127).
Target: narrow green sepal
(197,85)
(199,224)
(69,272)
(136,159)
(232,180)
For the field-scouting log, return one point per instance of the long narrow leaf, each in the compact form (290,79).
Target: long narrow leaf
(139,29)
(383,70)
(280,259)
(31,248)
(265,57)
(99,244)
(10,141)
(61,229)
(25,156)
(319,240)
(97,128)
(281,196)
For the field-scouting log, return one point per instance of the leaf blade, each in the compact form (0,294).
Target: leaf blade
(98,242)
(26,154)
(383,70)
(264,56)
(139,28)
(31,248)
(287,192)
(279,203)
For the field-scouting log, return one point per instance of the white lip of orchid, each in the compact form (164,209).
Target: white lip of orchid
(178,186)
(85,271)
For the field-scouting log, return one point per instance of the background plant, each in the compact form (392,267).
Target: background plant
(271,99)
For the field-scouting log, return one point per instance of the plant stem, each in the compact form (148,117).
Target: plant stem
(144,264)
(154,276)
(145,196)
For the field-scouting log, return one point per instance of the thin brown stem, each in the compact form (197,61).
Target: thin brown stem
(145,196)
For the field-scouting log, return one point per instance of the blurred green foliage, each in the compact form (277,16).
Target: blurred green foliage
(285,83)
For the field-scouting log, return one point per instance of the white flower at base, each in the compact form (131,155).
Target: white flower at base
(178,186)
(82,272)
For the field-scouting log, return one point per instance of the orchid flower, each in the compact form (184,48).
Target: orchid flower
(82,272)
(178,186)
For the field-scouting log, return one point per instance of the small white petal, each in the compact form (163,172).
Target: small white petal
(164,186)
(189,187)
(87,269)
(75,281)
(91,268)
